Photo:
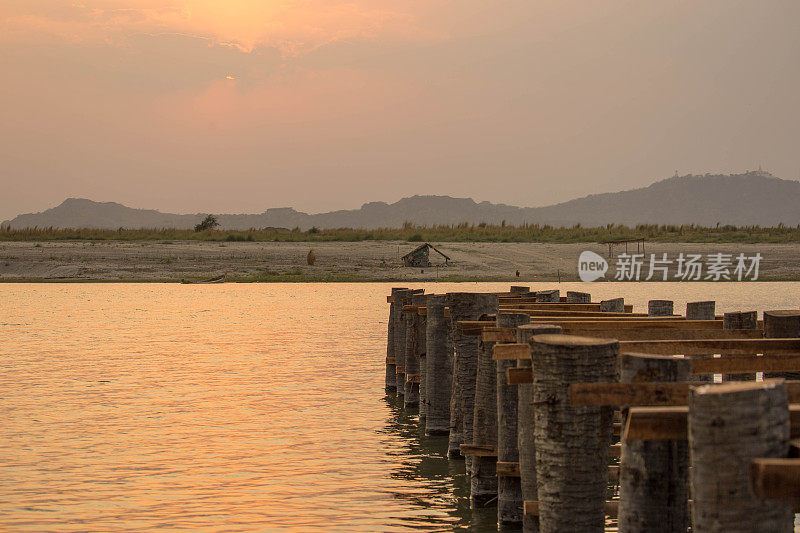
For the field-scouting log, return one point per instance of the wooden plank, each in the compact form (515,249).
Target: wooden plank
(519,376)
(776,479)
(571,314)
(621,394)
(615,450)
(737,364)
(410,309)
(656,423)
(713,346)
(499,335)
(644,334)
(400,369)
(478,450)
(669,423)
(474,327)
(615,324)
(531,508)
(643,394)
(412,378)
(504,352)
(390,361)
(507,469)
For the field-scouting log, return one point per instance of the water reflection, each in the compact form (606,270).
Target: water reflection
(437,487)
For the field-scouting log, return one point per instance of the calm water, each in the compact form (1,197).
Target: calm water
(236,407)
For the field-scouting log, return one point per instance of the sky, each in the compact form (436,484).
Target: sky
(236,106)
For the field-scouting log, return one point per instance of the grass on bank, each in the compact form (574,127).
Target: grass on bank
(442,233)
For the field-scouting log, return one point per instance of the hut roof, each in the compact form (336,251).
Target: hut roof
(422,246)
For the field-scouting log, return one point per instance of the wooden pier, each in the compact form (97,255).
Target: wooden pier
(574,415)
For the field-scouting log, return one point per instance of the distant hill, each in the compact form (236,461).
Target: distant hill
(739,199)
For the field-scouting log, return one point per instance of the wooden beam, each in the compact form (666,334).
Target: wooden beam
(669,423)
(713,346)
(499,335)
(390,361)
(400,369)
(412,378)
(617,394)
(651,334)
(615,450)
(617,324)
(776,479)
(519,376)
(507,469)
(531,508)
(572,314)
(643,394)
(478,450)
(504,352)
(737,364)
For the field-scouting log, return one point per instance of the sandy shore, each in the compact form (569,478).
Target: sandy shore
(336,261)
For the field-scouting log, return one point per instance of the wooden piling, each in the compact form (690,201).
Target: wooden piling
(465,306)
(438,368)
(413,342)
(660,307)
(553,296)
(391,361)
(509,489)
(422,353)
(571,442)
(483,476)
(526,448)
(615,305)
(700,310)
(740,320)
(783,324)
(575,297)
(653,474)
(729,426)
(401,298)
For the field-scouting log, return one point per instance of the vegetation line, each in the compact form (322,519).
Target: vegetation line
(443,233)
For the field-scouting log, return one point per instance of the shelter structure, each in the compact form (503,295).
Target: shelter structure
(420,256)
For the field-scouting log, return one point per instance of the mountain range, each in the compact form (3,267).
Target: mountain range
(752,198)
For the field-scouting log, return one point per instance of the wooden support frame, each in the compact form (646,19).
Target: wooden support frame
(713,346)
(776,479)
(478,450)
(670,423)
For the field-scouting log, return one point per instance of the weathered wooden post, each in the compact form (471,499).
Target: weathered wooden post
(519,290)
(575,297)
(438,368)
(740,320)
(483,476)
(465,306)
(401,298)
(391,360)
(526,446)
(615,305)
(413,343)
(782,325)
(422,342)
(660,308)
(553,296)
(571,442)
(729,426)
(701,310)
(654,475)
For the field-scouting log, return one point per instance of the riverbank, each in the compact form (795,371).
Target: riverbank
(171,261)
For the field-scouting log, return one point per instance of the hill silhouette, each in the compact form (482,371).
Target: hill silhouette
(752,198)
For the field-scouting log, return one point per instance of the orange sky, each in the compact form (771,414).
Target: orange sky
(327,104)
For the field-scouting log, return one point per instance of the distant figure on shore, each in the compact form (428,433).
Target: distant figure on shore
(517,273)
